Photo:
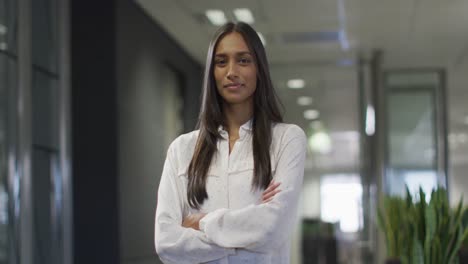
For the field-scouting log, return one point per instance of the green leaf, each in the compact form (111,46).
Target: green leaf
(436,252)
(455,233)
(456,248)
(417,254)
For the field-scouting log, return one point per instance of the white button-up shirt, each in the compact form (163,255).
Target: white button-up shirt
(238,228)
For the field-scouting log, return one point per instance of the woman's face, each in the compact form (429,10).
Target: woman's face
(235,71)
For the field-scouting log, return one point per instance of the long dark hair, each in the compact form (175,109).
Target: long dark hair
(266,112)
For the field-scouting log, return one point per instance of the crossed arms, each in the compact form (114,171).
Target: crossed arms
(258,227)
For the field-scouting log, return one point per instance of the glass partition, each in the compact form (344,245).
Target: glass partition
(44,35)
(8,26)
(46,167)
(413,103)
(35,213)
(8,83)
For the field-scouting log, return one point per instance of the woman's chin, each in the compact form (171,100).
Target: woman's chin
(235,100)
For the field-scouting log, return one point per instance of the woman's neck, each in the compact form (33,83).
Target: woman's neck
(236,116)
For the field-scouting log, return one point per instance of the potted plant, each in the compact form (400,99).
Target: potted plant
(428,232)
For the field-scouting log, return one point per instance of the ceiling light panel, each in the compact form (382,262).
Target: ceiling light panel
(3,29)
(296,84)
(244,15)
(304,100)
(311,114)
(216,17)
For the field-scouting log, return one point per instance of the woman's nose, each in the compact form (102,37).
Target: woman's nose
(232,70)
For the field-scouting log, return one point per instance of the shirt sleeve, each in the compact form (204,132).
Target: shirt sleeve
(264,227)
(174,243)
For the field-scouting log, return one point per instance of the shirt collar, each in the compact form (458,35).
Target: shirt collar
(246,127)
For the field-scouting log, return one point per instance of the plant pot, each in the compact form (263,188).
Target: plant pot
(463,255)
(392,261)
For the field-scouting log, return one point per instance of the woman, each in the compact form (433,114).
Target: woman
(219,199)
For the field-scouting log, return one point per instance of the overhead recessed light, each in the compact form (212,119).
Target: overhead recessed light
(216,17)
(311,114)
(462,138)
(3,29)
(260,35)
(316,125)
(304,100)
(320,142)
(3,46)
(244,15)
(296,83)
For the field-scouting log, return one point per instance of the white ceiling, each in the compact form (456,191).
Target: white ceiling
(411,33)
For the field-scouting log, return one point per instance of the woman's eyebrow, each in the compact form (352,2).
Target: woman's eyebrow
(243,53)
(240,53)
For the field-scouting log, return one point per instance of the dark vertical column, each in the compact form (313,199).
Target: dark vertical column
(377,144)
(367,179)
(94,132)
(23,118)
(442,155)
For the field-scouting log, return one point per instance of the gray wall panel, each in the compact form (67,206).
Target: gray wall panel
(152,71)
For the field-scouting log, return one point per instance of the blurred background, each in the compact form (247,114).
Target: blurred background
(93,92)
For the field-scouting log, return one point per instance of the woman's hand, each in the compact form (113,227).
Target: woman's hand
(270,192)
(193,221)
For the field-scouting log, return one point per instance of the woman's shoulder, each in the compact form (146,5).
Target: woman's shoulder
(287,136)
(184,141)
(287,131)
(181,150)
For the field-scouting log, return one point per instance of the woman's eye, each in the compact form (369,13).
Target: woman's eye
(244,60)
(220,62)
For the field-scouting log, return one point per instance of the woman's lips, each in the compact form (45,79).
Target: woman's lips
(233,86)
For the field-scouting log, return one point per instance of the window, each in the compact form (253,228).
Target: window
(341,201)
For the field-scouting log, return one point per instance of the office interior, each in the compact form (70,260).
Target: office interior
(93,92)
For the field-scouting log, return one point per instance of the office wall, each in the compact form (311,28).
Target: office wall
(154,79)
(128,77)
(311,196)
